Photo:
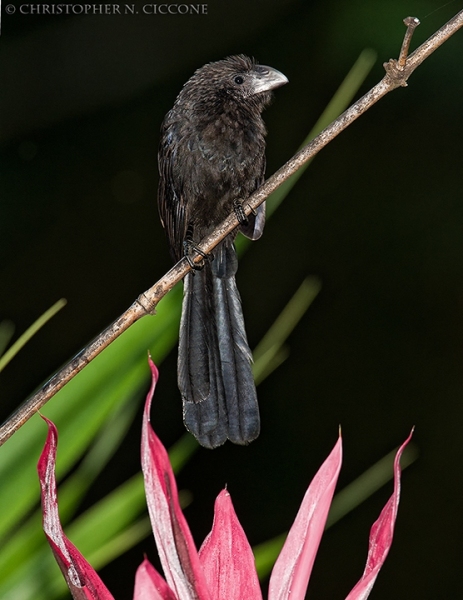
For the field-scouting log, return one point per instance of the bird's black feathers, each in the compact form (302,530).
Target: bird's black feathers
(211,155)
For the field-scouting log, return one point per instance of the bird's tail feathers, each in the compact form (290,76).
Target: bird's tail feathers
(215,375)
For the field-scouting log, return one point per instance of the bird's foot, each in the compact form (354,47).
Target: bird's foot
(190,248)
(239,212)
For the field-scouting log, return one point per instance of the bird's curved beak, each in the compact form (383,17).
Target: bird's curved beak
(267,78)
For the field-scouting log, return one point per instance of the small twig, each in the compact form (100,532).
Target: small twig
(397,74)
(411,23)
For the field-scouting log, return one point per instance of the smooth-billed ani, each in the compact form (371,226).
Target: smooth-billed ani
(211,158)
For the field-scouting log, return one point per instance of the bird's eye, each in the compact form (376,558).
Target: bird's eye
(239,80)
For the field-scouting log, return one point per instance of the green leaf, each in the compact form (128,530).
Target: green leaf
(270,353)
(30,332)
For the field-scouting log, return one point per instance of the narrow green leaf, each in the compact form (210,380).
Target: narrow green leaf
(6,333)
(340,101)
(30,332)
(268,354)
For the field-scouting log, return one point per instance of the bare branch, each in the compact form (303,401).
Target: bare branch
(397,74)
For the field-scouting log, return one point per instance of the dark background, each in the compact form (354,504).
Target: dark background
(378,217)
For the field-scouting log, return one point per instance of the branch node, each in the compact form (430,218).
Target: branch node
(148,306)
(397,75)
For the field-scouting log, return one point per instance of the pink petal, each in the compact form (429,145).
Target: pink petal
(177,551)
(226,556)
(381,535)
(149,585)
(81,578)
(293,567)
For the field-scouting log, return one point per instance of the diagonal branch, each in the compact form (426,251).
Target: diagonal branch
(397,74)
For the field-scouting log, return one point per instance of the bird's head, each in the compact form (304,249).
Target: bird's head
(236,79)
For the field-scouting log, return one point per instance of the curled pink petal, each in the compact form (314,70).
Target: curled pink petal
(381,535)
(149,585)
(293,567)
(81,578)
(226,556)
(177,551)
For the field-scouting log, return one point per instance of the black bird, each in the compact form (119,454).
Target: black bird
(211,158)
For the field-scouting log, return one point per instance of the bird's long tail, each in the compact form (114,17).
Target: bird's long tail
(214,360)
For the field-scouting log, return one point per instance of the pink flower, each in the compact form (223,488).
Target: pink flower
(223,569)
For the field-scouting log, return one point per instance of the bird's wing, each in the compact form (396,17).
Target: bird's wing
(171,198)
(254,228)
